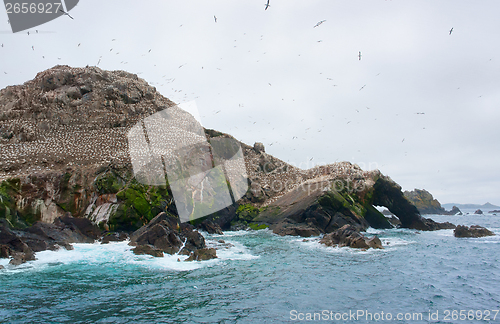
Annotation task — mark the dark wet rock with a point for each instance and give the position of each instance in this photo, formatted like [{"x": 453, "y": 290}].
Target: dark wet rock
[
  {"x": 114, "y": 237},
  {"x": 295, "y": 230},
  {"x": 223, "y": 217},
  {"x": 165, "y": 233},
  {"x": 348, "y": 235},
  {"x": 478, "y": 212},
  {"x": 210, "y": 227},
  {"x": 202, "y": 254},
  {"x": 147, "y": 249},
  {"x": 473, "y": 231},
  {"x": 21, "y": 245},
  {"x": 1, "y": 267},
  {"x": 454, "y": 211},
  {"x": 494, "y": 211},
  {"x": 434, "y": 226}
]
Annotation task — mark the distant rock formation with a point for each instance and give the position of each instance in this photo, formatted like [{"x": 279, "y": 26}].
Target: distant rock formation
[
  {"x": 426, "y": 204},
  {"x": 473, "y": 231},
  {"x": 478, "y": 212}
]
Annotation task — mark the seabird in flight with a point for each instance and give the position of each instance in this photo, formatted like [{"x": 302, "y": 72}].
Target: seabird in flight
[
  {"x": 215, "y": 18},
  {"x": 267, "y": 5},
  {"x": 319, "y": 23},
  {"x": 451, "y": 30},
  {"x": 359, "y": 55}
]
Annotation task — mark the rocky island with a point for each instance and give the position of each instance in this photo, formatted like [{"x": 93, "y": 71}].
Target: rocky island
[
  {"x": 67, "y": 177},
  {"x": 426, "y": 204}
]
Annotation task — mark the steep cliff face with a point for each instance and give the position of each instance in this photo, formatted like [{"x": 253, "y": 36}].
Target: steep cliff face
[{"x": 64, "y": 149}]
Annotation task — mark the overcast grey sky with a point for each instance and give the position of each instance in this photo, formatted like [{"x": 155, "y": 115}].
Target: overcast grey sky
[{"x": 270, "y": 76}]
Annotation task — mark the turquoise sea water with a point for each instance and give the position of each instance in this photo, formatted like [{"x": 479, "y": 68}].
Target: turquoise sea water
[{"x": 265, "y": 278}]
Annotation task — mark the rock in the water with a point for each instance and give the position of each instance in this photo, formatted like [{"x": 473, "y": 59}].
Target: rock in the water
[
  {"x": 478, "y": 212},
  {"x": 165, "y": 233},
  {"x": 202, "y": 254},
  {"x": 1, "y": 267},
  {"x": 113, "y": 237},
  {"x": 295, "y": 230},
  {"x": 211, "y": 227},
  {"x": 21, "y": 245},
  {"x": 473, "y": 231},
  {"x": 374, "y": 242},
  {"x": 348, "y": 235},
  {"x": 433, "y": 226},
  {"x": 147, "y": 249},
  {"x": 454, "y": 211}
]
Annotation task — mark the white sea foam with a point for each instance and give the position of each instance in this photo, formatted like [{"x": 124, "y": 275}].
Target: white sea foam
[
  {"x": 235, "y": 233},
  {"x": 231, "y": 250},
  {"x": 121, "y": 253}
]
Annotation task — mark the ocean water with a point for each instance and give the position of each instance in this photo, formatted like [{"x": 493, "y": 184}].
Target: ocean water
[{"x": 420, "y": 277}]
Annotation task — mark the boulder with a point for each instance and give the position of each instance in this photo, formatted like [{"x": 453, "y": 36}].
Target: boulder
[
  {"x": 202, "y": 254},
  {"x": 348, "y": 235},
  {"x": 147, "y": 249},
  {"x": 113, "y": 237},
  {"x": 292, "y": 229},
  {"x": 473, "y": 231},
  {"x": 165, "y": 233},
  {"x": 210, "y": 227},
  {"x": 478, "y": 212}
]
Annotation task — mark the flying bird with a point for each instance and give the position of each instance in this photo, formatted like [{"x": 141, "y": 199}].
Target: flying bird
[
  {"x": 267, "y": 5},
  {"x": 451, "y": 30},
  {"x": 362, "y": 87},
  {"x": 359, "y": 55},
  {"x": 319, "y": 23},
  {"x": 64, "y": 12},
  {"x": 215, "y": 18}
]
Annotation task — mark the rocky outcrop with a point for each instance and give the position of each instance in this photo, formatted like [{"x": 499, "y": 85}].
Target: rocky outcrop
[
  {"x": 473, "y": 231},
  {"x": 348, "y": 235},
  {"x": 478, "y": 212},
  {"x": 71, "y": 125},
  {"x": 166, "y": 234},
  {"x": 426, "y": 204},
  {"x": 454, "y": 211},
  {"x": 21, "y": 245}
]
